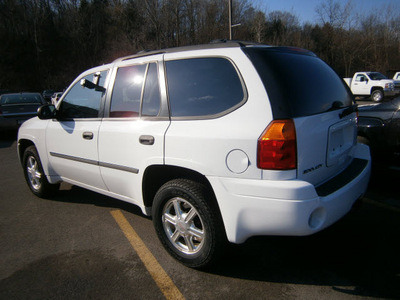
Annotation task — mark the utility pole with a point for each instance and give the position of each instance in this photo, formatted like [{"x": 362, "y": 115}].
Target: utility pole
[{"x": 230, "y": 21}]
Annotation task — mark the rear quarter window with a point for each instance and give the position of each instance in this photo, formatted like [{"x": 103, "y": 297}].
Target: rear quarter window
[
  {"x": 21, "y": 99},
  {"x": 203, "y": 87},
  {"x": 298, "y": 83}
]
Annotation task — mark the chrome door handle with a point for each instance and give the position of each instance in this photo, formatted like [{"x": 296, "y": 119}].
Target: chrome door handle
[
  {"x": 87, "y": 135},
  {"x": 146, "y": 139}
]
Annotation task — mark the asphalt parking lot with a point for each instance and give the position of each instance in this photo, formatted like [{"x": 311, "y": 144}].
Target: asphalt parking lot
[{"x": 82, "y": 245}]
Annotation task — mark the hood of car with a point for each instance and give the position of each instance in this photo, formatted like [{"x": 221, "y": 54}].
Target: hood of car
[{"x": 391, "y": 105}]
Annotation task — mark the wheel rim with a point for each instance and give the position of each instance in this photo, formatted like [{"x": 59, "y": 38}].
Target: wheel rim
[
  {"x": 377, "y": 96},
  {"x": 183, "y": 226},
  {"x": 34, "y": 175}
]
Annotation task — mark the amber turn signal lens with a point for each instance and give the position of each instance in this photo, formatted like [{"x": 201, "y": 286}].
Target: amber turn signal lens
[{"x": 276, "y": 149}]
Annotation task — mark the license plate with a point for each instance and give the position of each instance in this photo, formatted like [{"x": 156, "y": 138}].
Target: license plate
[{"x": 342, "y": 138}]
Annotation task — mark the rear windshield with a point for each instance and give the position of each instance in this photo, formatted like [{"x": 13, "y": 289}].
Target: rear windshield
[
  {"x": 21, "y": 99},
  {"x": 298, "y": 83}
]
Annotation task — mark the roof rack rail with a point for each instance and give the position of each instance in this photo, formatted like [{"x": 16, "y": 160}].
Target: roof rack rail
[
  {"x": 239, "y": 42},
  {"x": 213, "y": 44}
]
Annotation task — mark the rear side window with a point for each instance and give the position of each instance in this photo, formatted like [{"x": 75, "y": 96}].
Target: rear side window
[
  {"x": 136, "y": 89},
  {"x": 127, "y": 92},
  {"x": 298, "y": 83},
  {"x": 202, "y": 87}
]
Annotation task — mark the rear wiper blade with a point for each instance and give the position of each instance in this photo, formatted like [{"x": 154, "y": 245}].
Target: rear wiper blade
[
  {"x": 348, "y": 111},
  {"x": 336, "y": 105}
]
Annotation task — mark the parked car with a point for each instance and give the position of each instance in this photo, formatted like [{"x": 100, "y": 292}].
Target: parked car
[
  {"x": 47, "y": 95},
  {"x": 4, "y": 91},
  {"x": 372, "y": 84},
  {"x": 379, "y": 127},
  {"x": 17, "y": 108},
  {"x": 216, "y": 142},
  {"x": 56, "y": 97},
  {"x": 396, "y": 79}
]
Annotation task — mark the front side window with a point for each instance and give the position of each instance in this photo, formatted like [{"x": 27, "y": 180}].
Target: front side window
[
  {"x": 360, "y": 78},
  {"x": 201, "y": 87},
  {"x": 82, "y": 102}
]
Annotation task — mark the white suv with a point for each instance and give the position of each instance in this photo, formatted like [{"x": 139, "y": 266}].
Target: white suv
[{"x": 217, "y": 142}]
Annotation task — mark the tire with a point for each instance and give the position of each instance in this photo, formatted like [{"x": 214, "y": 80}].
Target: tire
[
  {"x": 34, "y": 174},
  {"x": 188, "y": 223},
  {"x": 377, "y": 95}
]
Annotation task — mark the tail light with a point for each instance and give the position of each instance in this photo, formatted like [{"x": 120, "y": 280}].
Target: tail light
[{"x": 276, "y": 149}]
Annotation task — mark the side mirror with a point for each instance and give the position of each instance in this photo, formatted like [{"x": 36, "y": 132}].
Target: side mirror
[{"x": 46, "y": 112}]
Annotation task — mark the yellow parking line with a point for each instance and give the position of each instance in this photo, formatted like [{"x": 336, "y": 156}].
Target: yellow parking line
[{"x": 163, "y": 281}]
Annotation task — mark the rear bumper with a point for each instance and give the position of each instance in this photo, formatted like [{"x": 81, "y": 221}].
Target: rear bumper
[
  {"x": 12, "y": 122},
  {"x": 291, "y": 207}
]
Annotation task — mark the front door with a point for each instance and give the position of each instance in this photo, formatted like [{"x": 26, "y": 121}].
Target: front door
[
  {"x": 360, "y": 85},
  {"x": 72, "y": 139}
]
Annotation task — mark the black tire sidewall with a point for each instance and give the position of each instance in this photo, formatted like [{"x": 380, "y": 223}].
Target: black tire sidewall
[
  {"x": 46, "y": 189},
  {"x": 377, "y": 91},
  {"x": 196, "y": 196}
]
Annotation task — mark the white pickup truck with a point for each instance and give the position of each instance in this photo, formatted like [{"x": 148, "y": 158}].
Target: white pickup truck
[
  {"x": 371, "y": 84},
  {"x": 396, "y": 79}
]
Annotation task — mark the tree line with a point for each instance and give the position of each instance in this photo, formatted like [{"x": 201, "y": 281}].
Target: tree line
[{"x": 45, "y": 44}]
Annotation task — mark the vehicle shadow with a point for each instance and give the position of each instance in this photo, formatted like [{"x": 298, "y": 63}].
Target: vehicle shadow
[
  {"x": 7, "y": 138},
  {"x": 359, "y": 255},
  {"x": 74, "y": 194}
]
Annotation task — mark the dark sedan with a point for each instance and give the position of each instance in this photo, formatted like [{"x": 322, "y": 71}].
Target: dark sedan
[
  {"x": 379, "y": 127},
  {"x": 17, "y": 108}
]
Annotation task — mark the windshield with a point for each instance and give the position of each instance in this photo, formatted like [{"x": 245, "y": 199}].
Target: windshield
[
  {"x": 298, "y": 83},
  {"x": 376, "y": 76}
]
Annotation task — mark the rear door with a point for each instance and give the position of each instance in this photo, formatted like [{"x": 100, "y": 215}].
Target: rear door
[{"x": 132, "y": 133}]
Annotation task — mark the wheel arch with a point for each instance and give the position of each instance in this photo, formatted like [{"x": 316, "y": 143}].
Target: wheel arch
[
  {"x": 374, "y": 88},
  {"x": 22, "y": 145},
  {"x": 157, "y": 175}
]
